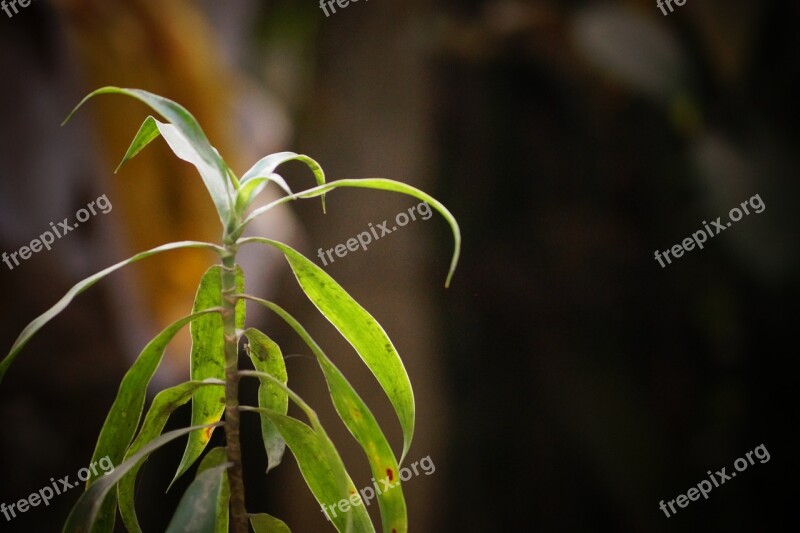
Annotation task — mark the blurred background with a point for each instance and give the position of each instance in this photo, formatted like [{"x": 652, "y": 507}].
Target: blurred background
[{"x": 566, "y": 381}]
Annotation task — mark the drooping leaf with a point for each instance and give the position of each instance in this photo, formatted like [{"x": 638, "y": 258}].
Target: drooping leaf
[
  {"x": 324, "y": 472},
  {"x": 35, "y": 325},
  {"x": 183, "y": 148},
  {"x": 362, "y": 424},
  {"x": 268, "y": 164},
  {"x": 126, "y": 411},
  {"x": 265, "y": 168},
  {"x": 83, "y": 515},
  {"x": 216, "y": 457},
  {"x": 197, "y": 511},
  {"x": 319, "y": 462},
  {"x": 208, "y": 360},
  {"x": 379, "y": 184},
  {"x": 160, "y": 410},
  {"x": 264, "y": 523},
  {"x": 218, "y": 179},
  {"x": 147, "y": 132},
  {"x": 267, "y": 358},
  {"x": 360, "y": 329}
]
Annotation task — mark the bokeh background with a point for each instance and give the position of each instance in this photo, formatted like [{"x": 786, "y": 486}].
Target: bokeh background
[{"x": 565, "y": 382}]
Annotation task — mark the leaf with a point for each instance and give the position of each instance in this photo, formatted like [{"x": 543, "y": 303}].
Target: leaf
[
  {"x": 248, "y": 191},
  {"x": 264, "y": 523},
  {"x": 265, "y": 168},
  {"x": 185, "y": 150},
  {"x": 361, "y": 423},
  {"x": 147, "y": 132},
  {"x": 319, "y": 462},
  {"x": 216, "y": 457},
  {"x": 126, "y": 411},
  {"x": 197, "y": 511},
  {"x": 267, "y": 358},
  {"x": 323, "y": 471},
  {"x": 360, "y": 329},
  {"x": 160, "y": 410},
  {"x": 208, "y": 360},
  {"x": 191, "y": 141},
  {"x": 378, "y": 184},
  {"x": 83, "y": 515},
  {"x": 35, "y": 325}
]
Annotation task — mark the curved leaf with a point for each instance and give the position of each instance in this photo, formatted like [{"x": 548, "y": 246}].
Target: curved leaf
[
  {"x": 83, "y": 515},
  {"x": 37, "y": 324},
  {"x": 217, "y": 180},
  {"x": 379, "y": 184},
  {"x": 197, "y": 511},
  {"x": 126, "y": 411},
  {"x": 162, "y": 407},
  {"x": 319, "y": 462},
  {"x": 323, "y": 471},
  {"x": 265, "y": 168},
  {"x": 184, "y": 149},
  {"x": 267, "y": 358},
  {"x": 360, "y": 329},
  {"x": 208, "y": 360},
  {"x": 264, "y": 523},
  {"x": 361, "y": 423}
]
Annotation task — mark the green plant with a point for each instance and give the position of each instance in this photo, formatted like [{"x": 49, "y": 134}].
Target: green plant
[{"x": 217, "y": 323}]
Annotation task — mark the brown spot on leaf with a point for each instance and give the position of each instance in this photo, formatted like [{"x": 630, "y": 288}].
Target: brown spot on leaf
[{"x": 390, "y": 474}]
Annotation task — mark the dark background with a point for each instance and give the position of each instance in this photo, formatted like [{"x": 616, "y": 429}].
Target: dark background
[{"x": 566, "y": 381}]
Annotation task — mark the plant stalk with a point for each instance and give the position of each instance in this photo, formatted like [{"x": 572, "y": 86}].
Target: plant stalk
[{"x": 233, "y": 445}]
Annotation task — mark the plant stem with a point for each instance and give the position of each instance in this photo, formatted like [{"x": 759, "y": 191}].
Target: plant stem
[{"x": 233, "y": 444}]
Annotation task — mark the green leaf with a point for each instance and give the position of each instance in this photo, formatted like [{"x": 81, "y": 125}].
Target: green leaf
[
  {"x": 323, "y": 471},
  {"x": 264, "y": 523},
  {"x": 147, "y": 132},
  {"x": 216, "y": 457},
  {"x": 265, "y": 168},
  {"x": 361, "y": 423},
  {"x": 160, "y": 410},
  {"x": 188, "y": 141},
  {"x": 248, "y": 191},
  {"x": 197, "y": 511},
  {"x": 360, "y": 329},
  {"x": 31, "y": 329},
  {"x": 379, "y": 184},
  {"x": 83, "y": 515},
  {"x": 208, "y": 360},
  {"x": 126, "y": 411},
  {"x": 267, "y": 358},
  {"x": 183, "y": 148},
  {"x": 319, "y": 462}
]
